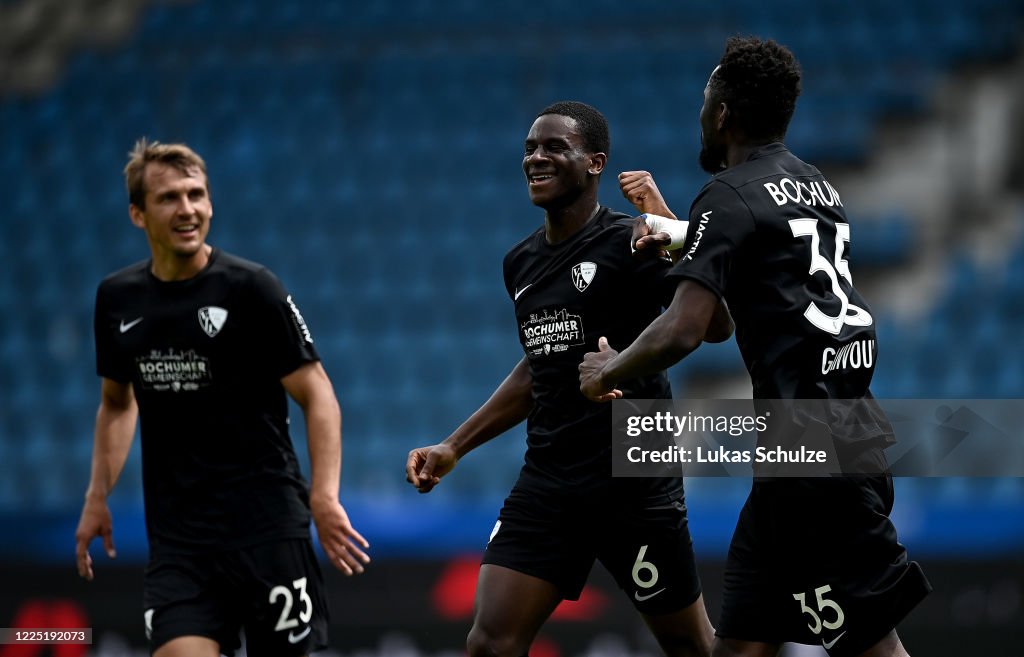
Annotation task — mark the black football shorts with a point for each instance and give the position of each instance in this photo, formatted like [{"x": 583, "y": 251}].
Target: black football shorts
[
  {"x": 816, "y": 561},
  {"x": 644, "y": 543},
  {"x": 274, "y": 591}
]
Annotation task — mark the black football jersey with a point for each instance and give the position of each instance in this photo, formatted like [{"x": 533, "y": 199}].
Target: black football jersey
[
  {"x": 772, "y": 237},
  {"x": 566, "y": 296},
  {"x": 205, "y": 357}
]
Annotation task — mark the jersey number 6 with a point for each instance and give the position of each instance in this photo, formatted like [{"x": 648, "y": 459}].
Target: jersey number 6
[
  {"x": 640, "y": 566},
  {"x": 849, "y": 314}
]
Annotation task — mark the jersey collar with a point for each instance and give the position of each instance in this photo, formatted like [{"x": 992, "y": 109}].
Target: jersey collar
[{"x": 767, "y": 149}]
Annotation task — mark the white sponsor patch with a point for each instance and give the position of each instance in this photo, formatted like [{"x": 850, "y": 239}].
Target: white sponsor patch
[
  {"x": 173, "y": 370},
  {"x": 551, "y": 332}
]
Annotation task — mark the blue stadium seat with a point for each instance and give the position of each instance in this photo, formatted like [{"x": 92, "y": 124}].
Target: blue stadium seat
[{"x": 371, "y": 156}]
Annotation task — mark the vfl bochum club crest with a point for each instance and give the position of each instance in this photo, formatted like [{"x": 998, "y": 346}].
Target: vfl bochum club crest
[
  {"x": 582, "y": 274},
  {"x": 211, "y": 319}
]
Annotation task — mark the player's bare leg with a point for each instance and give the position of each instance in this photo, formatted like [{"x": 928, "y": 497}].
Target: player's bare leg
[
  {"x": 189, "y": 646},
  {"x": 684, "y": 633},
  {"x": 889, "y": 646},
  {"x": 510, "y": 609},
  {"x": 734, "y": 648}
]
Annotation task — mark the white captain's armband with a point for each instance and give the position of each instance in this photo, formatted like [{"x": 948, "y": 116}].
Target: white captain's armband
[{"x": 676, "y": 229}]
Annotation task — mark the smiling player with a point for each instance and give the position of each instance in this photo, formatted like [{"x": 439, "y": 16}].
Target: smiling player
[{"x": 570, "y": 281}]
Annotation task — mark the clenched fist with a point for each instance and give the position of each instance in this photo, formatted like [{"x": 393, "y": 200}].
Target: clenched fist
[{"x": 640, "y": 189}]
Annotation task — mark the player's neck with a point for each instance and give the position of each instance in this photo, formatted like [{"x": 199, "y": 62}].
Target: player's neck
[
  {"x": 562, "y": 223},
  {"x": 172, "y": 267},
  {"x": 739, "y": 153}
]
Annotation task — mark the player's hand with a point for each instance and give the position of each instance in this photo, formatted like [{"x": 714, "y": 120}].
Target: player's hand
[
  {"x": 341, "y": 542},
  {"x": 426, "y": 465},
  {"x": 96, "y": 521},
  {"x": 591, "y": 384},
  {"x": 639, "y": 189},
  {"x": 645, "y": 242}
]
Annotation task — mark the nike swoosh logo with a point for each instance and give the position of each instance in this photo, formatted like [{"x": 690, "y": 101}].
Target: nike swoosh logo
[
  {"x": 127, "y": 327},
  {"x": 641, "y": 598},
  {"x": 827, "y": 645},
  {"x": 519, "y": 293},
  {"x": 295, "y": 639}
]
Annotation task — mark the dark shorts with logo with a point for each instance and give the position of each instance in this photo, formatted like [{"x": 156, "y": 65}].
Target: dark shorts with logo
[
  {"x": 816, "y": 561},
  {"x": 644, "y": 543},
  {"x": 274, "y": 591}
]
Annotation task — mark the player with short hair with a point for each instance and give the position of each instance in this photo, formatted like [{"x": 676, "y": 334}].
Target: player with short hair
[
  {"x": 202, "y": 347},
  {"x": 570, "y": 281},
  {"x": 812, "y": 560}
]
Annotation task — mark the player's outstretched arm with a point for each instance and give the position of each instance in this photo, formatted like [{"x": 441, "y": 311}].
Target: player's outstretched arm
[
  {"x": 311, "y": 389},
  {"x": 509, "y": 405},
  {"x": 666, "y": 341},
  {"x": 639, "y": 189},
  {"x": 112, "y": 440}
]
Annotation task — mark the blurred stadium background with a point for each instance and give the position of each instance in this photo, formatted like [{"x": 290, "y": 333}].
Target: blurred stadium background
[{"x": 369, "y": 153}]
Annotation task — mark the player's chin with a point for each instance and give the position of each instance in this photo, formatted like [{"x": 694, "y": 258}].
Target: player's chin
[
  {"x": 542, "y": 196},
  {"x": 188, "y": 248}
]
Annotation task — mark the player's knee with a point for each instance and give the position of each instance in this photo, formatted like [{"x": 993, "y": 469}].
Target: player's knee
[
  {"x": 481, "y": 643},
  {"x": 685, "y": 633},
  {"x": 721, "y": 649},
  {"x": 731, "y": 648},
  {"x": 687, "y": 647}
]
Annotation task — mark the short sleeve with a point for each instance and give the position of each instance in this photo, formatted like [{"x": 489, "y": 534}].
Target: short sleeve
[
  {"x": 281, "y": 328},
  {"x": 110, "y": 362},
  {"x": 719, "y": 223}
]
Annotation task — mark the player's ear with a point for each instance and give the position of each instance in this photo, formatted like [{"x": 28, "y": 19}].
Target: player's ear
[
  {"x": 723, "y": 116},
  {"x": 597, "y": 163},
  {"x": 136, "y": 215}
]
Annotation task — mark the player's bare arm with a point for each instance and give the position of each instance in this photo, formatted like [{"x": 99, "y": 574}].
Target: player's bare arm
[
  {"x": 721, "y": 326},
  {"x": 311, "y": 389},
  {"x": 644, "y": 240},
  {"x": 640, "y": 189},
  {"x": 509, "y": 405},
  {"x": 667, "y": 340},
  {"x": 115, "y": 430}
]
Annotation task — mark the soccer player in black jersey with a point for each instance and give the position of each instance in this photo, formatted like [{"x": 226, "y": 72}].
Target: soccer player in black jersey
[
  {"x": 202, "y": 347},
  {"x": 570, "y": 281},
  {"x": 813, "y": 560}
]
